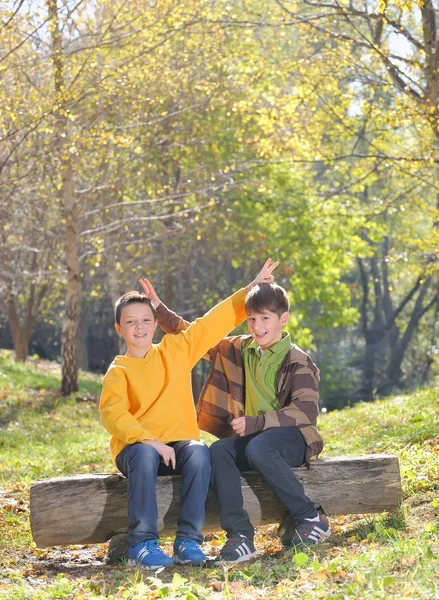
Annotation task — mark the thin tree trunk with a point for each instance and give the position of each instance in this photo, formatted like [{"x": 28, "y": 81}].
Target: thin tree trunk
[
  {"x": 70, "y": 329},
  {"x": 21, "y": 330},
  {"x": 69, "y": 336},
  {"x": 394, "y": 371},
  {"x": 20, "y": 348},
  {"x": 373, "y": 333}
]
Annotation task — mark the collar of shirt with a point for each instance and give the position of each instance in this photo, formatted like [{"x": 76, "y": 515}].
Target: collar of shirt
[{"x": 277, "y": 348}]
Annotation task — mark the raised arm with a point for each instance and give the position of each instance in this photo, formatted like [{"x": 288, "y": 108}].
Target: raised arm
[
  {"x": 170, "y": 322},
  {"x": 204, "y": 333}
]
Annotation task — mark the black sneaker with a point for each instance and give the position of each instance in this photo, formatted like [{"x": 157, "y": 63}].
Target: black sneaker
[
  {"x": 311, "y": 532},
  {"x": 236, "y": 550}
]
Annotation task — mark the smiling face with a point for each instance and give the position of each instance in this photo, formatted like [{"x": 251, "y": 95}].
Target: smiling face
[
  {"x": 137, "y": 326},
  {"x": 266, "y": 327}
]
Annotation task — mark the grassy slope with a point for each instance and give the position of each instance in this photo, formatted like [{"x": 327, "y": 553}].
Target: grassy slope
[{"x": 389, "y": 556}]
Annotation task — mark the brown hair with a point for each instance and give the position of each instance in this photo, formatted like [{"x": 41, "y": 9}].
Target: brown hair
[
  {"x": 267, "y": 296},
  {"x": 131, "y": 298}
]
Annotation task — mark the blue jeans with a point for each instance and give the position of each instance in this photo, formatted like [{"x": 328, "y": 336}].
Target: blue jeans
[
  {"x": 141, "y": 463},
  {"x": 271, "y": 453}
]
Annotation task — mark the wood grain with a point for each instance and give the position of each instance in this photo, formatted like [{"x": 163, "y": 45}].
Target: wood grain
[{"x": 87, "y": 509}]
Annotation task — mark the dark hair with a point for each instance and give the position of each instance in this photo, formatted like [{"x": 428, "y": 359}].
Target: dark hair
[
  {"x": 131, "y": 298},
  {"x": 267, "y": 296}
]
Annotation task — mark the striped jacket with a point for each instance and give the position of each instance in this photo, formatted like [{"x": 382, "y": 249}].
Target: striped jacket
[{"x": 223, "y": 395}]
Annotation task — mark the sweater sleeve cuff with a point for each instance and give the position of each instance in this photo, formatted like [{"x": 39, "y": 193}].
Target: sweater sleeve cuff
[
  {"x": 254, "y": 424},
  {"x": 238, "y": 300}
]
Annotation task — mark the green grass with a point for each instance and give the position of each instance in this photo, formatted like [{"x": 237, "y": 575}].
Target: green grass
[
  {"x": 43, "y": 435},
  {"x": 407, "y": 426},
  {"x": 371, "y": 557}
]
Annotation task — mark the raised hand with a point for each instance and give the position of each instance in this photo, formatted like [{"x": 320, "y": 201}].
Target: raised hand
[
  {"x": 150, "y": 292},
  {"x": 264, "y": 275}
]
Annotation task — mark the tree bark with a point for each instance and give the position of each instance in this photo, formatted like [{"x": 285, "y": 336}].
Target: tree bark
[
  {"x": 70, "y": 327},
  {"x": 342, "y": 485},
  {"x": 69, "y": 335},
  {"x": 22, "y": 328},
  {"x": 373, "y": 332}
]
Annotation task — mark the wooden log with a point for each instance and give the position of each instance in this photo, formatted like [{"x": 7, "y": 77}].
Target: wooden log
[{"x": 87, "y": 509}]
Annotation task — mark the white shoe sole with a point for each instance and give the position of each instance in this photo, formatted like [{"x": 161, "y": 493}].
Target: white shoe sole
[
  {"x": 196, "y": 563},
  {"x": 132, "y": 562},
  {"x": 241, "y": 559},
  {"x": 323, "y": 537}
]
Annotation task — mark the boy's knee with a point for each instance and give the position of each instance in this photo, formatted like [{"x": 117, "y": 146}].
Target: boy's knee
[
  {"x": 219, "y": 448},
  {"x": 199, "y": 454},
  {"x": 144, "y": 456},
  {"x": 256, "y": 450}
]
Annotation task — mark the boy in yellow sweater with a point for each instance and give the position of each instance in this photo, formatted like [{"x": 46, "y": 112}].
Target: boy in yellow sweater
[{"x": 148, "y": 408}]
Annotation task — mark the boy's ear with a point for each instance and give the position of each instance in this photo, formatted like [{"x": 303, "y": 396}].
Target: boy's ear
[
  {"x": 284, "y": 318},
  {"x": 118, "y": 328}
]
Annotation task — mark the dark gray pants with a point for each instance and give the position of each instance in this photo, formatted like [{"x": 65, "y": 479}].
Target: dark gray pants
[
  {"x": 141, "y": 464},
  {"x": 271, "y": 453}
]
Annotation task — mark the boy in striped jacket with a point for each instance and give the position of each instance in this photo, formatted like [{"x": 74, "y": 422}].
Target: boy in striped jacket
[{"x": 261, "y": 399}]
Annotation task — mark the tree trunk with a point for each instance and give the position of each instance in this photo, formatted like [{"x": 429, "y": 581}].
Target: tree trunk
[
  {"x": 83, "y": 358},
  {"x": 373, "y": 333},
  {"x": 21, "y": 332},
  {"x": 20, "y": 347},
  {"x": 394, "y": 372},
  {"x": 69, "y": 336}
]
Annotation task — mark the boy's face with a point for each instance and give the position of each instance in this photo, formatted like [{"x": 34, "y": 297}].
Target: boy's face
[
  {"x": 266, "y": 327},
  {"x": 137, "y": 325}
]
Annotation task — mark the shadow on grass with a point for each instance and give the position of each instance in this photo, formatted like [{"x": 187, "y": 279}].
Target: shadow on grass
[
  {"x": 381, "y": 528},
  {"x": 8, "y": 414}
]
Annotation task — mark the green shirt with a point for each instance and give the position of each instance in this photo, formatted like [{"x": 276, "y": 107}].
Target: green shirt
[{"x": 261, "y": 375}]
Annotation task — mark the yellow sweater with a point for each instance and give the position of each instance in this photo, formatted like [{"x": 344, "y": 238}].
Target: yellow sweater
[{"x": 151, "y": 397}]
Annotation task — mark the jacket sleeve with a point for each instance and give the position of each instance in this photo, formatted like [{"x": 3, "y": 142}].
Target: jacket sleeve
[
  {"x": 206, "y": 332},
  {"x": 169, "y": 321},
  {"x": 301, "y": 407},
  {"x": 114, "y": 409}
]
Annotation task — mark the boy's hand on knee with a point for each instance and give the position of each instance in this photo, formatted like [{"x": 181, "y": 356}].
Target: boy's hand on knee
[
  {"x": 247, "y": 425},
  {"x": 166, "y": 452},
  {"x": 238, "y": 425}
]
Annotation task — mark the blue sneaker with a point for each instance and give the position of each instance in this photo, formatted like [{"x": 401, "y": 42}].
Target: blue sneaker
[
  {"x": 148, "y": 555},
  {"x": 188, "y": 552}
]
